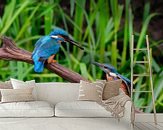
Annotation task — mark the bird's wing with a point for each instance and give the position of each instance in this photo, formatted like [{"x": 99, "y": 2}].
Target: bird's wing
[
  {"x": 48, "y": 48},
  {"x": 38, "y": 44},
  {"x": 126, "y": 81},
  {"x": 124, "y": 78}
]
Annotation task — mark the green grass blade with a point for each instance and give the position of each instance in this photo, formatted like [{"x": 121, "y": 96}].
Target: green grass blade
[
  {"x": 26, "y": 24},
  {"x": 144, "y": 29},
  {"x": 126, "y": 33},
  {"x": 9, "y": 9},
  {"x": 16, "y": 14},
  {"x": 48, "y": 20},
  {"x": 114, "y": 54},
  {"x": 146, "y": 11},
  {"x": 84, "y": 71},
  {"x": 72, "y": 4},
  {"x": 79, "y": 18}
]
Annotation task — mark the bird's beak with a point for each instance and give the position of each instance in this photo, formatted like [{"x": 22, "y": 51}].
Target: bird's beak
[
  {"x": 97, "y": 64},
  {"x": 74, "y": 43},
  {"x": 101, "y": 66}
]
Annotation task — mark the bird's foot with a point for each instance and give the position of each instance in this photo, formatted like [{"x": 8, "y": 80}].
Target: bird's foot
[
  {"x": 54, "y": 61},
  {"x": 51, "y": 61}
]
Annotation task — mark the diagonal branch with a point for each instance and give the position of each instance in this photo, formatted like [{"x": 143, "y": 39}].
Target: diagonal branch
[{"x": 9, "y": 51}]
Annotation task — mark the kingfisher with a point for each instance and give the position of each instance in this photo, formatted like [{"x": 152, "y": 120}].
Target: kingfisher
[
  {"x": 48, "y": 46},
  {"x": 112, "y": 74}
]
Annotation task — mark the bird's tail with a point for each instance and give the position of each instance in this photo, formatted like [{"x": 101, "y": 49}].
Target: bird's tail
[{"x": 38, "y": 65}]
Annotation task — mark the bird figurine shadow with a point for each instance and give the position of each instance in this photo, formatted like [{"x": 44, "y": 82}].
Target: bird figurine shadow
[
  {"x": 48, "y": 46},
  {"x": 112, "y": 72}
]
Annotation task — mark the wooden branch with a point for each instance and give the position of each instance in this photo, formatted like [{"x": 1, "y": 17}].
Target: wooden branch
[{"x": 9, "y": 51}]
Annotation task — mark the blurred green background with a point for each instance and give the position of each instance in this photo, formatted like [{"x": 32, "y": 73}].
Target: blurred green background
[{"x": 103, "y": 27}]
